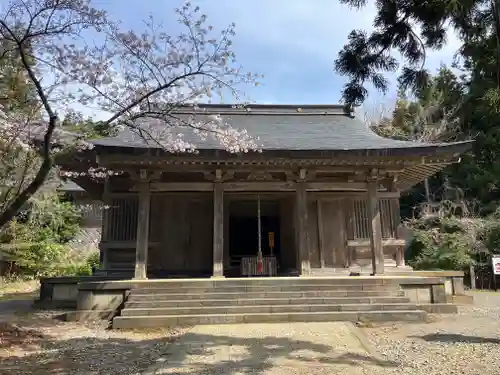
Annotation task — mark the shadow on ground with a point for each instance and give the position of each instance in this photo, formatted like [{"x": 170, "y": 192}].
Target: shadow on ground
[
  {"x": 259, "y": 355},
  {"x": 85, "y": 355},
  {"x": 18, "y": 296},
  {"x": 457, "y": 338}
]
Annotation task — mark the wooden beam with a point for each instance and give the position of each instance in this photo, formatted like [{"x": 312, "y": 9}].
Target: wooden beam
[
  {"x": 375, "y": 229},
  {"x": 256, "y": 186},
  {"x": 388, "y": 242},
  {"x": 335, "y": 195},
  {"x": 120, "y": 245}
]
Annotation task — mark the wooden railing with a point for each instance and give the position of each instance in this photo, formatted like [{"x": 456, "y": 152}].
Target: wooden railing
[{"x": 249, "y": 266}]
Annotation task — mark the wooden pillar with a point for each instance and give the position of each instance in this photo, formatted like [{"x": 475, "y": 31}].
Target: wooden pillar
[
  {"x": 375, "y": 228},
  {"x": 105, "y": 217},
  {"x": 218, "y": 237},
  {"x": 400, "y": 257},
  {"x": 141, "y": 250},
  {"x": 321, "y": 241},
  {"x": 302, "y": 233}
]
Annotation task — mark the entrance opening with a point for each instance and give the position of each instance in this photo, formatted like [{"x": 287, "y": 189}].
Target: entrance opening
[{"x": 243, "y": 231}]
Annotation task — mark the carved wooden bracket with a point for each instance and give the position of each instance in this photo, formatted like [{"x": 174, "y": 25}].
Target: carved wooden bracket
[
  {"x": 372, "y": 175},
  {"x": 218, "y": 175},
  {"x": 260, "y": 176},
  {"x": 355, "y": 176}
]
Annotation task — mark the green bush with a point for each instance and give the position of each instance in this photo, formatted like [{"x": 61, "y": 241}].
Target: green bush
[
  {"x": 82, "y": 268},
  {"x": 492, "y": 238},
  {"x": 39, "y": 260},
  {"x": 442, "y": 251},
  {"x": 444, "y": 243},
  {"x": 36, "y": 241}
]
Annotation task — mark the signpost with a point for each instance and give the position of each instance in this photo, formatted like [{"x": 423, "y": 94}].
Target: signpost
[{"x": 495, "y": 263}]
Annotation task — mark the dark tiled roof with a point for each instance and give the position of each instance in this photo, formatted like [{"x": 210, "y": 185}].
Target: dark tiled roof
[
  {"x": 278, "y": 127},
  {"x": 69, "y": 185}
]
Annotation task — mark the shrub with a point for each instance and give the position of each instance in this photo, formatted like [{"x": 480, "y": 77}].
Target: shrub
[
  {"x": 447, "y": 243},
  {"x": 82, "y": 268},
  {"x": 492, "y": 238},
  {"x": 439, "y": 251},
  {"x": 36, "y": 240}
]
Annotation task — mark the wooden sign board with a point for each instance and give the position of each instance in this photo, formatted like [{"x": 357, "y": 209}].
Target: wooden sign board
[{"x": 271, "y": 239}]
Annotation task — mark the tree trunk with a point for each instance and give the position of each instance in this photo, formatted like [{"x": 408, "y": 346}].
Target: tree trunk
[
  {"x": 41, "y": 176},
  {"x": 472, "y": 273}
]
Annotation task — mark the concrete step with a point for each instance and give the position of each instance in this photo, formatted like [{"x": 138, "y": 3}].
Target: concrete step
[
  {"x": 264, "y": 302},
  {"x": 216, "y": 310},
  {"x": 263, "y": 288},
  {"x": 145, "y": 321},
  {"x": 136, "y": 297}
]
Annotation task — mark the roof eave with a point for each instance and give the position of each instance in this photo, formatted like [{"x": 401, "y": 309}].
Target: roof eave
[{"x": 456, "y": 148}]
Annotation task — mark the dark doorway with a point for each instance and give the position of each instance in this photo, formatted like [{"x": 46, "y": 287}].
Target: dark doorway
[{"x": 243, "y": 230}]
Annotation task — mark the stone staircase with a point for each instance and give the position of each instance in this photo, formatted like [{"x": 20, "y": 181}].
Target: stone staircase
[{"x": 264, "y": 300}]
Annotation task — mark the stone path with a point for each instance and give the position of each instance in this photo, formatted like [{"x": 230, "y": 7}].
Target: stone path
[{"x": 270, "y": 349}]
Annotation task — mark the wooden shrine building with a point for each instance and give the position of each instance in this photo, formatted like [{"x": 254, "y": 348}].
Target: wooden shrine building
[{"x": 322, "y": 196}]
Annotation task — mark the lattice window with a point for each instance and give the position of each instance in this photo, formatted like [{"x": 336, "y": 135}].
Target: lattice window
[
  {"x": 388, "y": 216},
  {"x": 122, "y": 219}
]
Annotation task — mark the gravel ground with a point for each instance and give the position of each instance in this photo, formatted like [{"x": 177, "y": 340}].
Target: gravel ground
[
  {"x": 63, "y": 348},
  {"x": 466, "y": 343}
]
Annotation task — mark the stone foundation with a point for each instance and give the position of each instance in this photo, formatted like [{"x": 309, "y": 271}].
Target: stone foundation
[{"x": 101, "y": 297}]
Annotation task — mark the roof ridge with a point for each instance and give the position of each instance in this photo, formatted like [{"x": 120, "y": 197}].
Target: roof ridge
[{"x": 264, "y": 109}]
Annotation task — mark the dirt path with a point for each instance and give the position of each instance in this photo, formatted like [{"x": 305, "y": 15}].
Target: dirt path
[{"x": 269, "y": 349}]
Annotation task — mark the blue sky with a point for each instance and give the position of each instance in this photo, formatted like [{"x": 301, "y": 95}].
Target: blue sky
[{"x": 293, "y": 42}]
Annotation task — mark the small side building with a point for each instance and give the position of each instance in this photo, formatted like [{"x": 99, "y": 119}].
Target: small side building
[{"x": 322, "y": 198}]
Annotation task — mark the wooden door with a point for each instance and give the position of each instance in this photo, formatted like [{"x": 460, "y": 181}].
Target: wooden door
[{"x": 332, "y": 233}]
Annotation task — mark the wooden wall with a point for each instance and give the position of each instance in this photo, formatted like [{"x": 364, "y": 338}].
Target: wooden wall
[
  {"x": 332, "y": 222},
  {"x": 181, "y": 231}
]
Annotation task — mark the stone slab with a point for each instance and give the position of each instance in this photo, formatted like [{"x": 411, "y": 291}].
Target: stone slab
[
  {"x": 135, "y": 296},
  {"x": 438, "y": 308},
  {"x": 260, "y": 309},
  {"x": 137, "y": 322},
  {"x": 264, "y": 301}
]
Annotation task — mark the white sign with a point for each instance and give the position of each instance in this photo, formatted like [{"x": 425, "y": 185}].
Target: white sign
[{"x": 495, "y": 261}]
